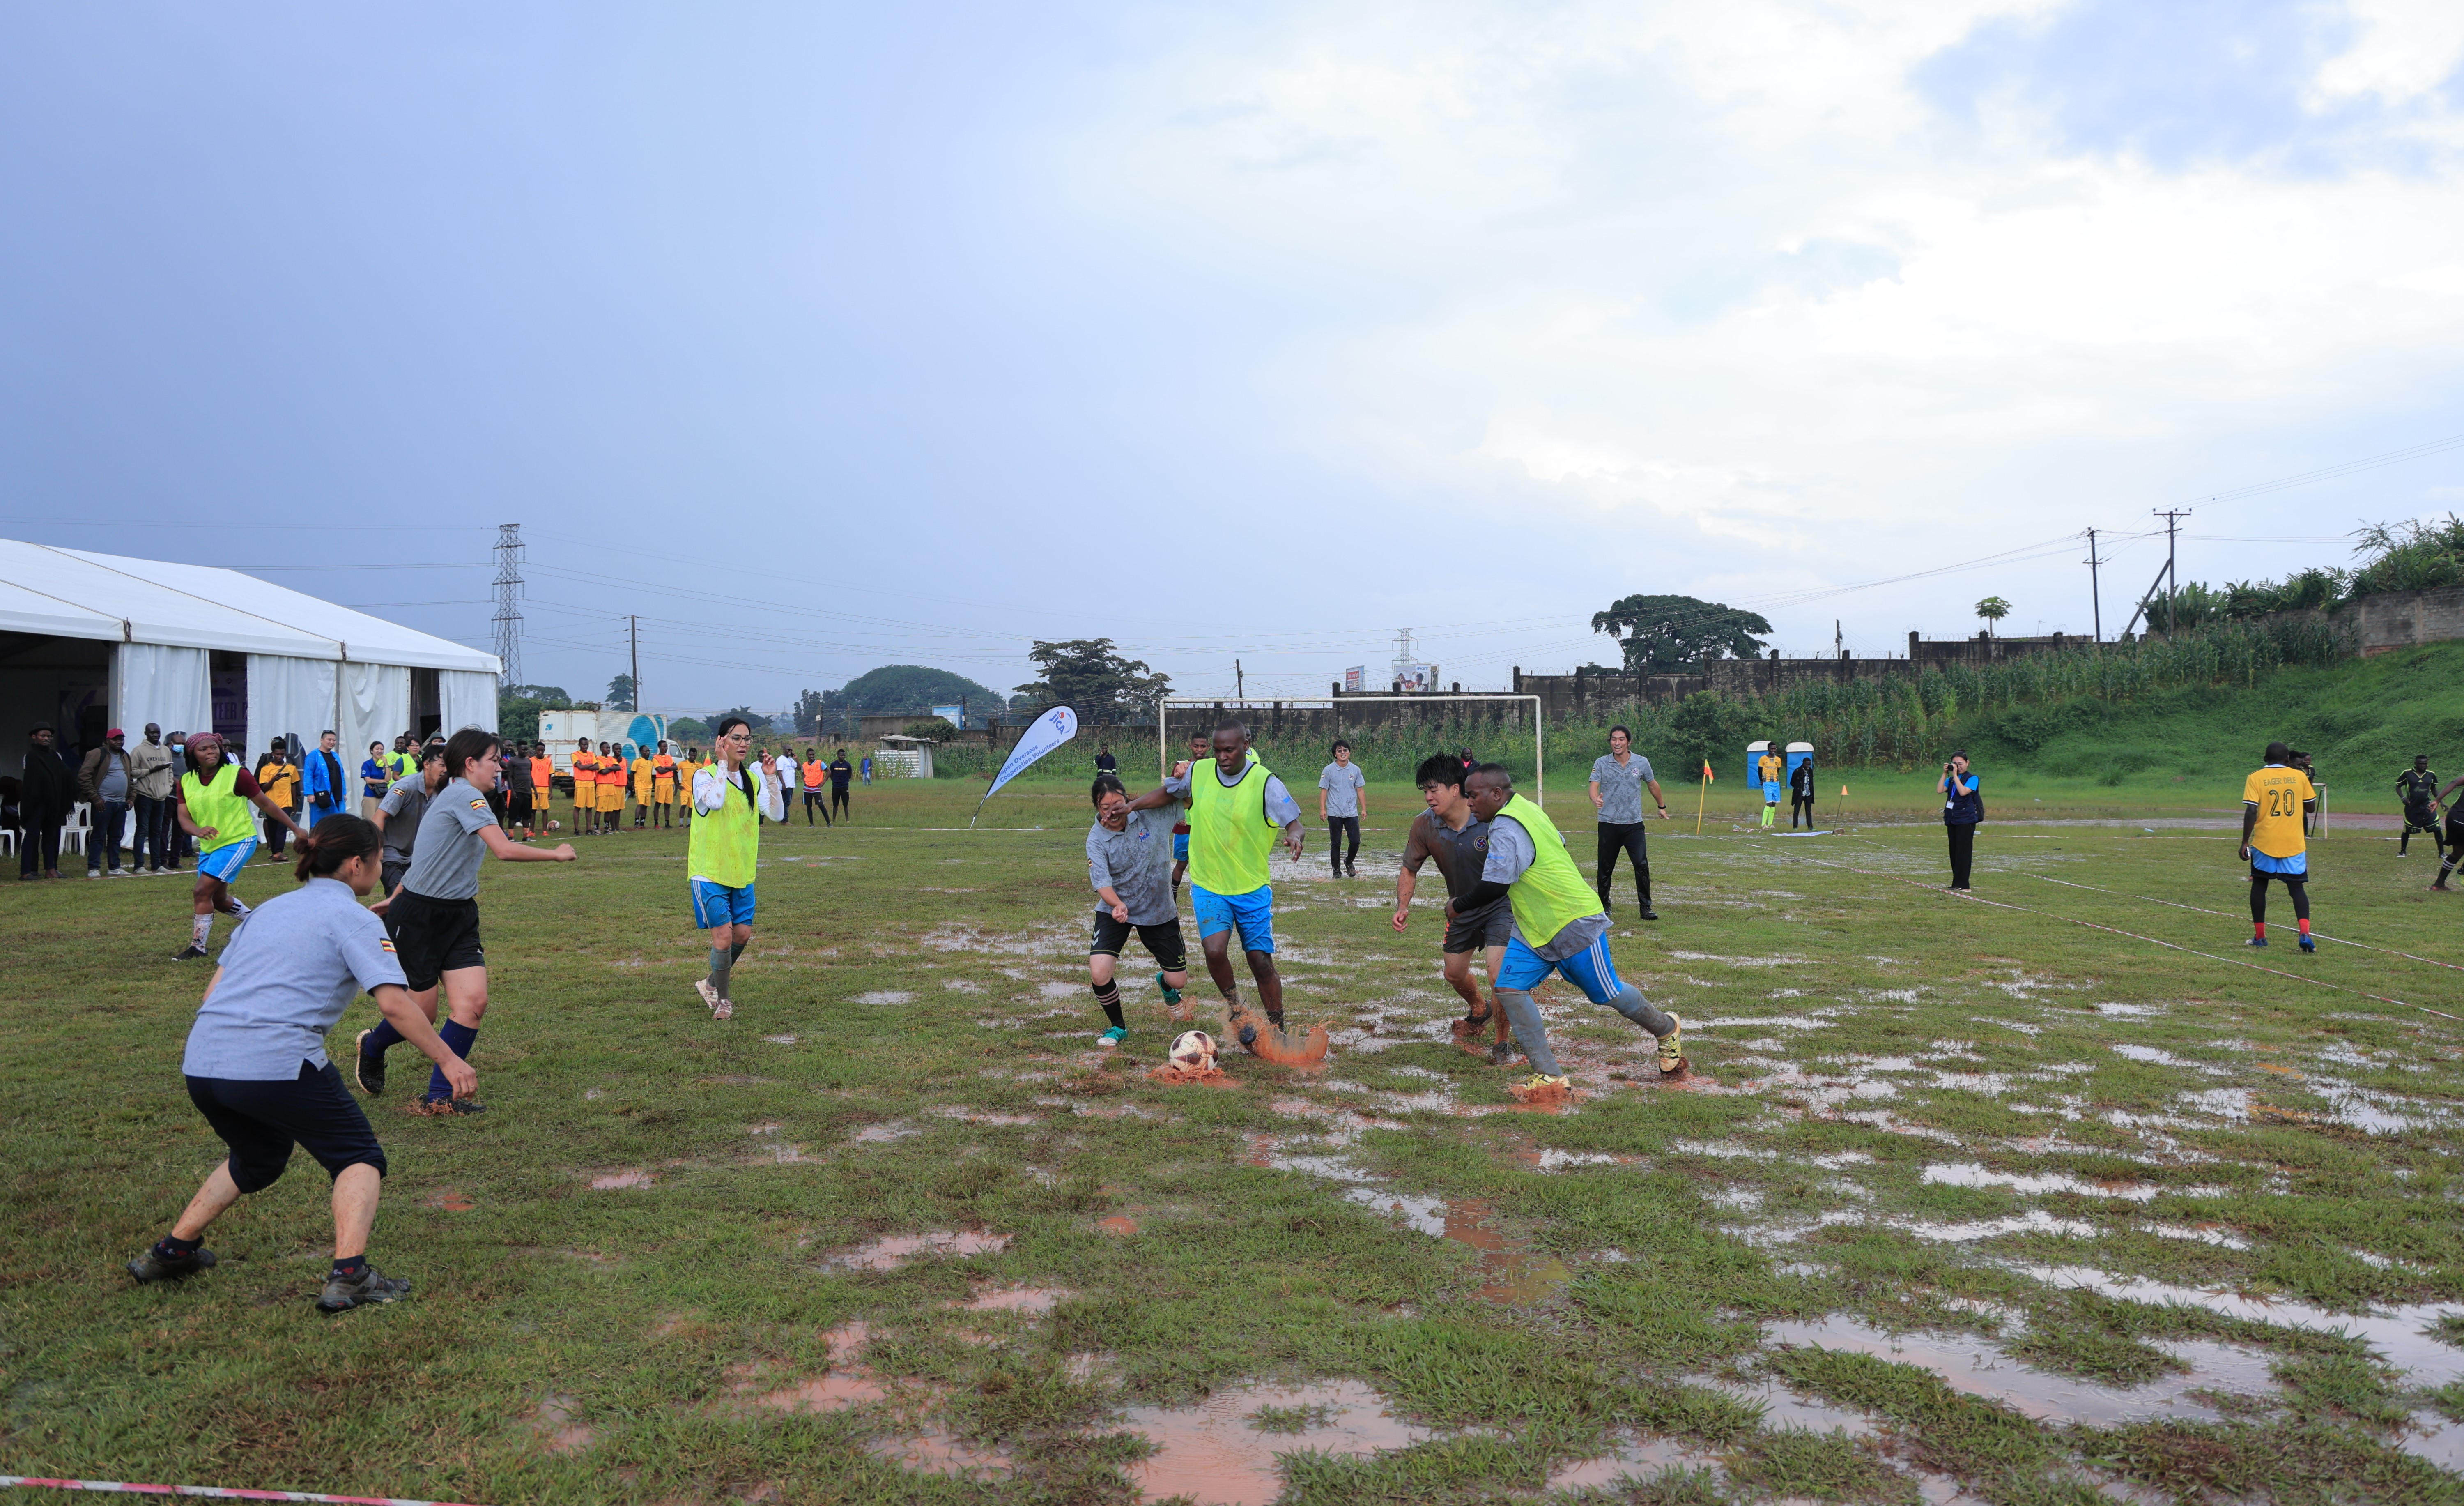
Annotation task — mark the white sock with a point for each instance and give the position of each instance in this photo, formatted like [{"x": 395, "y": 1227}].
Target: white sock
[
  {"x": 239, "y": 911},
  {"x": 201, "y": 929}
]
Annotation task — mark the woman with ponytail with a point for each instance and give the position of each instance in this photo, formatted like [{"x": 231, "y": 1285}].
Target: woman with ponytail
[{"x": 256, "y": 1065}]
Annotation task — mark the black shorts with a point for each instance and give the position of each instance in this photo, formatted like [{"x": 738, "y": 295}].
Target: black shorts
[
  {"x": 1164, "y": 941},
  {"x": 433, "y": 937},
  {"x": 520, "y": 803},
  {"x": 260, "y": 1121},
  {"x": 1492, "y": 925}
]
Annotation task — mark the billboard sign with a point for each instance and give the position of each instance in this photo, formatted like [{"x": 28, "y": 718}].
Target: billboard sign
[
  {"x": 1354, "y": 677},
  {"x": 954, "y": 716}
]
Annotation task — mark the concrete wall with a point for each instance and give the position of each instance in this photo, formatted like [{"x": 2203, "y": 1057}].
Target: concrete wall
[
  {"x": 1565, "y": 695},
  {"x": 2401, "y": 619}
]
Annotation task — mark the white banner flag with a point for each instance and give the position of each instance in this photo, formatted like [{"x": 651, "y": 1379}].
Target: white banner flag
[{"x": 1051, "y": 730}]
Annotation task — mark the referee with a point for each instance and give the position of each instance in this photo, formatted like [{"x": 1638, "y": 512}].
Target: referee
[{"x": 256, "y": 1064}]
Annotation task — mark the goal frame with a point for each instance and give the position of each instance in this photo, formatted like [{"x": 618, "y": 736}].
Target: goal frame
[{"x": 1539, "y": 727}]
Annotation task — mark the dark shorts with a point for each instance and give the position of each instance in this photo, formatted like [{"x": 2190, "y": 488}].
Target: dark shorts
[
  {"x": 260, "y": 1121},
  {"x": 1171, "y": 953},
  {"x": 1491, "y": 925},
  {"x": 433, "y": 937}
]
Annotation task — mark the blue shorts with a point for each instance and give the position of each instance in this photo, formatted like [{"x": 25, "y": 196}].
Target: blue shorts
[
  {"x": 1181, "y": 847},
  {"x": 1589, "y": 969},
  {"x": 1771, "y": 791},
  {"x": 226, "y": 862},
  {"x": 2296, "y": 866},
  {"x": 1252, "y": 915},
  {"x": 714, "y": 905}
]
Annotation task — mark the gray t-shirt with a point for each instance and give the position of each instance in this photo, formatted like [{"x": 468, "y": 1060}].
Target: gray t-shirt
[
  {"x": 445, "y": 863},
  {"x": 1135, "y": 863},
  {"x": 1620, "y": 787},
  {"x": 286, "y": 978},
  {"x": 405, "y": 805},
  {"x": 1510, "y": 856},
  {"x": 1343, "y": 783},
  {"x": 113, "y": 786}
]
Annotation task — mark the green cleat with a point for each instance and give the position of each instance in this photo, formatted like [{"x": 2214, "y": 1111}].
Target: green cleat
[
  {"x": 1171, "y": 994},
  {"x": 1112, "y": 1038}
]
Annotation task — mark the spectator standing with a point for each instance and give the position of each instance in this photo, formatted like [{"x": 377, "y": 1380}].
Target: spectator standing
[
  {"x": 149, "y": 768},
  {"x": 1800, "y": 793},
  {"x": 1342, "y": 799},
  {"x": 46, "y": 793},
  {"x": 103, "y": 780},
  {"x": 279, "y": 778},
  {"x": 180, "y": 846},
  {"x": 791, "y": 773},
  {"x": 1618, "y": 779},
  {"x": 867, "y": 768},
  {"x": 517, "y": 788},
  {"x": 841, "y": 771},
  {"x": 376, "y": 777},
  {"x": 1963, "y": 810},
  {"x": 328, "y": 792},
  {"x": 1106, "y": 763},
  {"x": 817, "y": 786}
]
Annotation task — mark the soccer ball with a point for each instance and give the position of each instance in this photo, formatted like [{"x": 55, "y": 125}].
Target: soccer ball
[
  {"x": 1193, "y": 1050},
  {"x": 556, "y": 826}
]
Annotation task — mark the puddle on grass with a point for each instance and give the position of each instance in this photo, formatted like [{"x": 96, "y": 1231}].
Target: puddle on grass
[
  {"x": 1979, "y": 1367},
  {"x": 1510, "y": 1270},
  {"x": 2034, "y": 1220},
  {"x": 2434, "y": 1440},
  {"x": 882, "y": 1134},
  {"x": 1217, "y": 1455},
  {"x": 559, "y": 1432},
  {"x": 1971, "y": 1174},
  {"x": 2397, "y": 1334},
  {"x": 935, "y": 1451},
  {"x": 883, "y": 996},
  {"x": 1782, "y": 1408},
  {"x": 971, "y": 1116},
  {"x": 893, "y": 1251},
  {"x": 1015, "y": 1299},
  {"x": 617, "y": 1180},
  {"x": 1627, "y": 1458}
]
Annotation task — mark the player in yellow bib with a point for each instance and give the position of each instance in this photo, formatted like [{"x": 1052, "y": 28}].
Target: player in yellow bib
[
  {"x": 2274, "y": 801},
  {"x": 1560, "y": 926},
  {"x": 732, "y": 796},
  {"x": 1238, "y": 811}
]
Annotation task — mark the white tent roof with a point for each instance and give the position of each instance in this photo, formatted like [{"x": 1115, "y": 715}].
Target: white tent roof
[{"x": 75, "y": 593}]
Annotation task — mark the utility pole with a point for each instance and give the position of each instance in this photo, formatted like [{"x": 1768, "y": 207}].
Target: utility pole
[
  {"x": 507, "y": 621},
  {"x": 1240, "y": 682},
  {"x": 634, "y": 630},
  {"x": 2094, "y": 594},
  {"x": 1839, "y": 641},
  {"x": 2172, "y": 516}
]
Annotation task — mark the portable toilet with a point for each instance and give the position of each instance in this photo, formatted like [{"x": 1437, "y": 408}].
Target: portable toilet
[
  {"x": 1754, "y": 752},
  {"x": 1798, "y": 753}
]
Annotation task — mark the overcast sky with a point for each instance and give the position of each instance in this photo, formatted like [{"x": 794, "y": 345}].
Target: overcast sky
[{"x": 823, "y": 335}]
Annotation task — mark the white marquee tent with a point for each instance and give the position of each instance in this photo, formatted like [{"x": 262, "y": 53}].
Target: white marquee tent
[{"x": 94, "y": 638}]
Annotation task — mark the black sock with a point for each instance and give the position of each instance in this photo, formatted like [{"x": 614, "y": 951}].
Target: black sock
[
  {"x": 349, "y": 1265},
  {"x": 736, "y": 951},
  {"x": 171, "y": 1247},
  {"x": 1109, "y": 995}
]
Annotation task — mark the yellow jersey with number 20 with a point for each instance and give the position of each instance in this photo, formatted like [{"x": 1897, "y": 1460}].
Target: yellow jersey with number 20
[{"x": 2278, "y": 793}]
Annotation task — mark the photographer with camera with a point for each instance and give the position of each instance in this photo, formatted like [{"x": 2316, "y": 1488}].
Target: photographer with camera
[{"x": 1962, "y": 809}]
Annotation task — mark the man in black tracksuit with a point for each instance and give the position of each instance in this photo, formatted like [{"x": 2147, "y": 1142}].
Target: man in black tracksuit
[
  {"x": 2417, "y": 788},
  {"x": 1800, "y": 793}
]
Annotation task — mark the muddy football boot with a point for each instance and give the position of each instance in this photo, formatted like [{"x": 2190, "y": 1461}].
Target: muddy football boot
[
  {"x": 370, "y": 1286},
  {"x": 155, "y": 1266}
]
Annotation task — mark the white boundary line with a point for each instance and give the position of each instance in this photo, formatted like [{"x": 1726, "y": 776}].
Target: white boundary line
[
  {"x": 1539, "y": 731},
  {"x": 219, "y": 1491}
]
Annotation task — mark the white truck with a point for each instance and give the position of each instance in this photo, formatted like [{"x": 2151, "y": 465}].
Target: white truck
[{"x": 634, "y": 731}]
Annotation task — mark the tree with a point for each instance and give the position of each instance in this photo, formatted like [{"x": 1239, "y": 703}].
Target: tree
[
  {"x": 620, "y": 694},
  {"x": 901, "y": 689},
  {"x": 1087, "y": 675},
  {"x": 1992, "y": 609},
  {"x": 931, "y": 728},
  {"x": 688, "y": 730},
  {"x": 754, "y": 722},
  {"x": 1664, "y": 634},
  {"x": 808, "y": 710}
]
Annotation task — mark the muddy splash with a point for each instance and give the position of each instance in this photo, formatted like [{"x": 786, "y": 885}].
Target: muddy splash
[{"x": 1222, "y": 1452}]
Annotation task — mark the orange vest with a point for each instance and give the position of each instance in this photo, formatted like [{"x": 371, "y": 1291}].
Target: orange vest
[
  {"x": 611, "y": 770},
  {"x": 542, "y": 774},
  {"x": 663, "y": 768},
  {"x": 586, "y": 770},
  {"x": 817, "y": 773}
]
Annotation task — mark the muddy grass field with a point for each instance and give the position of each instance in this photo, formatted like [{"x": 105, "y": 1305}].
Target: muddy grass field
[{"x": 2057, "y": 1193}]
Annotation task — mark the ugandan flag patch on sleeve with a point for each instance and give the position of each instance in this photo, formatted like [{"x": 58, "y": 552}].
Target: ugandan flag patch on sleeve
[
  {"x": 387, "y": 943},
  {"x": 478, "y": 804}
]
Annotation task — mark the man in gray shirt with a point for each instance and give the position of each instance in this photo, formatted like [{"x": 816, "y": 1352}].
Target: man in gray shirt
[
  {"x": 1342, "y": 800},
  {"x": 1129, "y": 864},
  {"x": 1618, "y": 779},
  {"x": 400, "y": 812}
]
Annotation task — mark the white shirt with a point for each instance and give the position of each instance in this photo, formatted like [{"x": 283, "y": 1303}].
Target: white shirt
[
  {"x": 790, "y": 772},
  {"x": 711, "y": 785}
]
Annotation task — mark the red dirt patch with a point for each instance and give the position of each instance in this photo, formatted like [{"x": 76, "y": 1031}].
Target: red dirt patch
[
  {"x": 1117, "y": 1224},
  {"x": 1174, "y": 1075},
  {"x": 452, "y": 1200}
]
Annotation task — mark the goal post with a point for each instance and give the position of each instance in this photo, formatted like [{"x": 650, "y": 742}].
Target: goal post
[{"x": 1322, "y": 716}]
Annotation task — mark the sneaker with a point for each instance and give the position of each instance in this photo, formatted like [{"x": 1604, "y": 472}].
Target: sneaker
[
  {"x": 1672, "y": 1048},
  {"x": 447, "y": 1108},
  {"x": 369, "y": 1067},
  {"x": 343, "y": 1293},
  {"x": 2309, "y": 943},
  {"x": 1112, "y": 1038},
  {"x": 1541, "y": 1079},
  {"x": 1351, "y": 871},
  {"x": 121, "y": 873},
  {"x": 189, "y": 953},
  {"x": 93, "y": 873},
  {"x": 155, "y": 1266},
  {"x": 719, "y": 1009},
  {"x": 2256, "y": 940},
  {"x": 1171, "y": 994}
]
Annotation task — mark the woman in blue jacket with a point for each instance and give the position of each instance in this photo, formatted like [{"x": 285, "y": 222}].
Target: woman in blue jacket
[{"x": 1962, "y": 810}]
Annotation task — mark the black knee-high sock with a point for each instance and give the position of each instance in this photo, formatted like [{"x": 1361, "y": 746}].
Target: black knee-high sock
[
  {"x": 1109, "y": 995},
  {"x": 2258, "y": 898},
  {"x": 2301, "y": 892}
]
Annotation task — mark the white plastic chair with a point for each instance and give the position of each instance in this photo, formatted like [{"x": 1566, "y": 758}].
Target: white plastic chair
[{"x": 73, "y": 830}]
